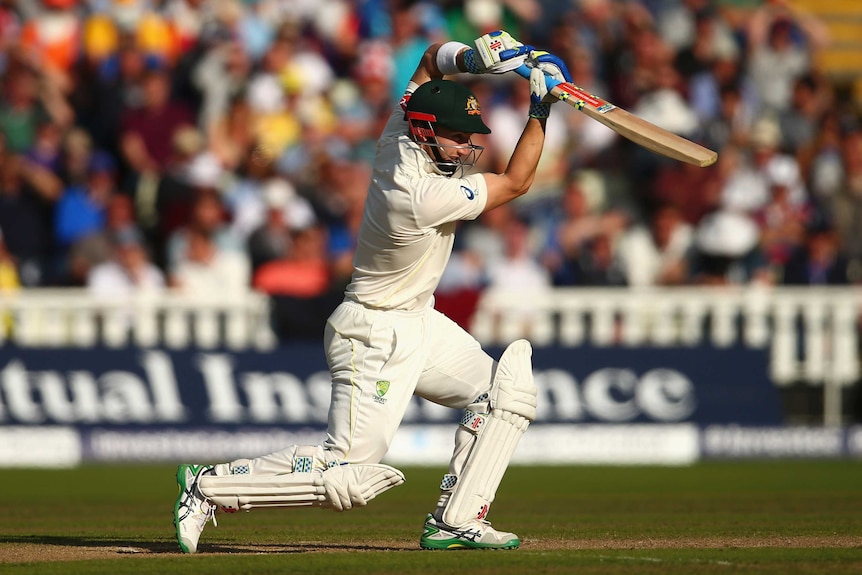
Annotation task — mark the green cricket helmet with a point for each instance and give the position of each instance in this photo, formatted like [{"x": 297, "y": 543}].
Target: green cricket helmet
[{"x": 454, "y": 107}]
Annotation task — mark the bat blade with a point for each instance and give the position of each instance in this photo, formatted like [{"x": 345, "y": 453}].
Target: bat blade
[
  {"x": 628, "y": 125},
  {"x": 635, "y": 128}
]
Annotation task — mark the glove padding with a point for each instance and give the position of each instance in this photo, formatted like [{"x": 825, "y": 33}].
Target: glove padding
[
  {"x": 549, "y": 64},
  {"x": 349, "y": 486},
  {"x": 500, "y": 52},
  {"x": 543, "y": 64}
]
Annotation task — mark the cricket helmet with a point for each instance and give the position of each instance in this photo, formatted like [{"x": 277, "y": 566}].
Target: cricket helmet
[{"x": 452, "y": 106}]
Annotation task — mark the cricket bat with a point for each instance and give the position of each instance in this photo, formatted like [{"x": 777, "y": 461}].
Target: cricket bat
[{"x": 628, "y": 125}]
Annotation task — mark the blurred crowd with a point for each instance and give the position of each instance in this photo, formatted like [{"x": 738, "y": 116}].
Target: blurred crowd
[{"x": 209, "y": 146}]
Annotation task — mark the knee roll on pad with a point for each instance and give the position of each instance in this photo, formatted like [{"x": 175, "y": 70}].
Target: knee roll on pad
[{"x": 514, "y": 388}]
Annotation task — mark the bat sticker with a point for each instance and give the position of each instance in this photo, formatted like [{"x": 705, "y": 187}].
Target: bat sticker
[{"x": 582, "y": 96}]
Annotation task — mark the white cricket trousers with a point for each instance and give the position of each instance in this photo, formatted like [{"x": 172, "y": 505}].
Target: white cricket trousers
[{"x": 378, "y": 360}]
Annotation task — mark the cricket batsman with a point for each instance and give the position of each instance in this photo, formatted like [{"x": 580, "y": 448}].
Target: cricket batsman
[{"x": 385, "y": 342}]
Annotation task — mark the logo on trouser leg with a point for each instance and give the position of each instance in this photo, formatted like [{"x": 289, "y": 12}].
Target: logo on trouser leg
[
  {"x": 381, "y": 387},
  {"x": 483, "y": 512}
]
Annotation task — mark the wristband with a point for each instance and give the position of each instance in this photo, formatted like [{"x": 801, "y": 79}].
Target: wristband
[{"x": 447, "y": 57}]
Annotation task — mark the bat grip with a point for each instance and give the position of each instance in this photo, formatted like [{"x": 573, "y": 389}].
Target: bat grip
[{"x": 524, "y": 70}]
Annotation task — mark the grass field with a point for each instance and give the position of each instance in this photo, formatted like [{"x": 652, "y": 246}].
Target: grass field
[{"x": 765, "y": 517}]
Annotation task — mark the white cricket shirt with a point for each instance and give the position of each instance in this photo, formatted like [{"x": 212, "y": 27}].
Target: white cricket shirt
[{"x": 408, "y": 227}]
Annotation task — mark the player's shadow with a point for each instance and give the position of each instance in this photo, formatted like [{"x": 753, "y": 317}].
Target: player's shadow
[
  {"x": 281, "y": 548},
  {"x": 135, "y": 546},
  {"x": 122, "y": 545}
]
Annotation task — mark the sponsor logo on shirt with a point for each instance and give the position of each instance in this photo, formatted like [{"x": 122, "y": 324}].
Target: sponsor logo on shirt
[{"x": 468, "y": 192}]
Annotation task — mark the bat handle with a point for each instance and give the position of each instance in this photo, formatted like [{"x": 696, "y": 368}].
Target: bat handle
[{"x": 524, "y": 70}]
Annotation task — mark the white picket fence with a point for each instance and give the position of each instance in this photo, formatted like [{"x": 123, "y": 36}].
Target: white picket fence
[
  {"x": 74, "y": 318},
  {"x": 812, "y": 333}
]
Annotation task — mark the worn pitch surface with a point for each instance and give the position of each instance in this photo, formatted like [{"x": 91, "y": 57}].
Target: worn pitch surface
[{"x": 759, "y": 517}]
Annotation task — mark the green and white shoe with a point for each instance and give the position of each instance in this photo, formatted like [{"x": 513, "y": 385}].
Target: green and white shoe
[
  {"x": 192, "y": 510},
  {"x": 476, "y": 534}
]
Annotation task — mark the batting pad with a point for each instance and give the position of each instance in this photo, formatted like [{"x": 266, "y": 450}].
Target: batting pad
[
  {"x": 512, "y": 407},
  {"x": 475, "y": 488},
  {"x": 340, "y": 487}
]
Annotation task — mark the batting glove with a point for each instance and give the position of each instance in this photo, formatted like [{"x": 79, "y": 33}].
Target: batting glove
[
  {"x": 498, "y": 52},
  {"x": 543, "y": 64}
]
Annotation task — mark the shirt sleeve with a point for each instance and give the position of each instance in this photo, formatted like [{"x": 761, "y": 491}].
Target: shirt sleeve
[
  {"x": 397, "y": 124},
  {"x": 441, "y": 200}
]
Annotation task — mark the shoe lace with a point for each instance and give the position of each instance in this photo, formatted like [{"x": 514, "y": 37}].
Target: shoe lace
[
  {"x": 209, "y": 509},
  {"x": 210, "y": 512}
]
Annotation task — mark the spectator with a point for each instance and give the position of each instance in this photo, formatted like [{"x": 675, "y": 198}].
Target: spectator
[
  {"x": 819, "y": 260},
  {"x": 587, "y": 143},
  {"x": 518, "y": 271},
  {"x": 460, "y": 288},
  {"x": 76, "y": 157},
  {"x": 97, "y": 247},
  {"x": 662, "y": 103},
  {"x": 81, "y": 209},
  {"x": 28, "y": 100},
  {"x": 207, "y": 217},
  {"x": 800, "y": 122},
  {"x": 658, "y": 254},
  {"x": 46, "y": 150},
  {"x": 147, "y": 132},
  {"x": 846, "y": 205},
  {"x": 108, "y": 85},
  {"x": 344, "y": 204},
  {"x": 191, "y": 169},
  {"x": 709, "y": 40},
  {"x": 282, "y": 212},
  {"x": 221, "y": 75},
  {"x": 748, "y": 187},
  {"x": 303, "y": 271},
  {"x": 506, "y": 121},
  {"x": 28, "y": 193},
  {"x": 777, "y": 58},
  {"x": 694, "y": 26},
  {"x": 731, "y": 122},
  {"x": 484, "y": 235},
  {"x": 244, "y": 196},
  {"x": 130, "y": 271},
  {"x": 408, "y": 41},
  {"x": 825, "y": 164},
  {"x": 727, "y": 251},
  {"x": 580, "y": 218},
  {"x": 273, "y": 124},
  {"x": 782, "y": 222},
  {"x": 675, "y": 185},
  {"x": 206, "y": 271},
  {"x": 300, "y": 286},
  {"x": 599, "y": 264},
  {"x": 52, "y": 34}
]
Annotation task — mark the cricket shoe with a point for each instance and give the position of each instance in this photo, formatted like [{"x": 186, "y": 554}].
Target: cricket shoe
[
  {"x": 192, "y": 510},
  {"x": 475, "y": 534}
]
